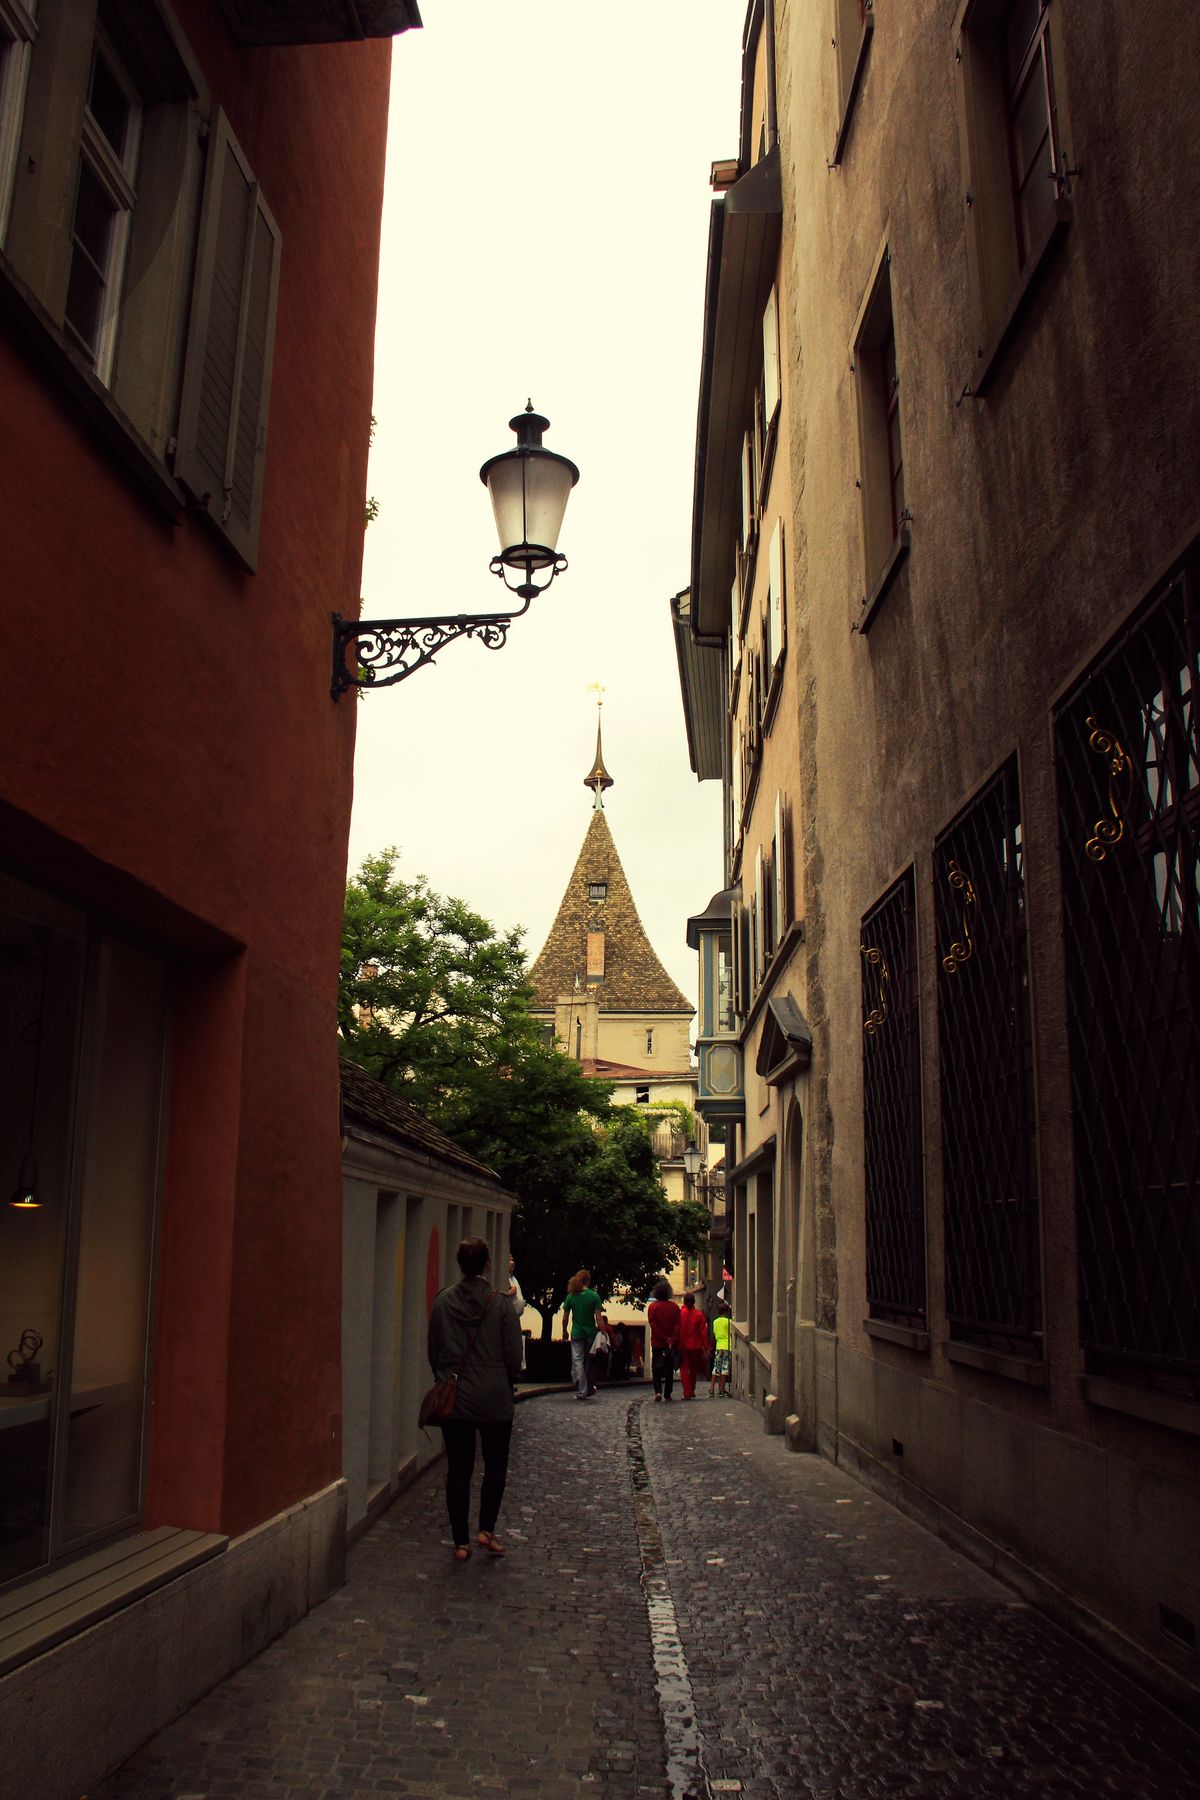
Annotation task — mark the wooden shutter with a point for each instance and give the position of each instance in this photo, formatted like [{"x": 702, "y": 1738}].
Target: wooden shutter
[
  {"x": 776, "y": 626},
  {"x": 227, "y": 369},
  {"x": 783, "y": 913},
  {"x": 770, "y": 357}
]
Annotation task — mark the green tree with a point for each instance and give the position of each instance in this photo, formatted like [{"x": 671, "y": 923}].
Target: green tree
[{"x": 434, "y": 1002}]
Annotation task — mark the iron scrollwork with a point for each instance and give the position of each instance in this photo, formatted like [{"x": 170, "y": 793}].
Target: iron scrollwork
[
  {"x": 1107, "y": 832},
  {"x": 877, "y": 1016},
  {"x": 962, "y": 949},
  {"x": 379, "y": 652}
]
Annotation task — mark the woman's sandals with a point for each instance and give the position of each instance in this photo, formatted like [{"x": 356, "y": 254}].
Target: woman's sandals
[{"x": 489, "y": 1542}]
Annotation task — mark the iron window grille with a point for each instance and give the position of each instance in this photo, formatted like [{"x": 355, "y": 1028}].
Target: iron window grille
[
  {"x": 893, "y": 1163},
  {"x": 993, "y": 1239},
  {"x": 1128, "y": 770}
]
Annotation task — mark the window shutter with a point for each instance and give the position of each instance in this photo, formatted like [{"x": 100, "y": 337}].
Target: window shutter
[
  {"x": 783, "y": 915},
  {"x": 227, "y": 371},
  {"x": 759, "y": 916},
  {"x": 738, "y": 959},
  {"x": 770, "y": 357},
  {"x": 776, "y": 615}
]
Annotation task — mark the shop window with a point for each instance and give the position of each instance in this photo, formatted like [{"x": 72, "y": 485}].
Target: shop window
[
  {"x": 1016, "y": 175},
  {"x": 891, "y": 1066},
  {"x": 885, "y": 516},
  {"x": 82, "y": 1040},
  {"x": 120, "y": 186},
  {"x": 992, "y": 1232}
]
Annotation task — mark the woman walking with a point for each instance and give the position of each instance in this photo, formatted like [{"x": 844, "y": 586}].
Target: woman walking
[
  {"x": 474, "y": 1335},
  {"x": 693, "y": 1345},
  {"x": 662, "y": 1316}
]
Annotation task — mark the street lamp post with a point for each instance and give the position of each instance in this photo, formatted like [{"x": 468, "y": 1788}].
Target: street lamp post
[{"x": 529, "y": 488}]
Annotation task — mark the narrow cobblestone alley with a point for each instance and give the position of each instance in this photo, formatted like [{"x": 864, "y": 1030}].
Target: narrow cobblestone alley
[{"x": 687, "y": 1610}]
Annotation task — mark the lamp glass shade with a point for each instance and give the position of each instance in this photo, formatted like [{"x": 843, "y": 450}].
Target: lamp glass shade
[
  {"x": 529, "y": 491},
  {"x": 691, "y": 1158}
]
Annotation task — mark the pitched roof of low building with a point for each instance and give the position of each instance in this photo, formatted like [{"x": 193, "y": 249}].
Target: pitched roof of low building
[
  {"x": 371, "y": 1103},
  {"x": 604, "y": 1070},
  {"x": 634, "y": 979}
]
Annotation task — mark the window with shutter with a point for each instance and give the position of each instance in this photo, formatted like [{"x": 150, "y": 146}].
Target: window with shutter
[
  {"x": 227, "y": 374},
  {"x": 775, "y": 612},
  {"x": 18, "y": 28}
]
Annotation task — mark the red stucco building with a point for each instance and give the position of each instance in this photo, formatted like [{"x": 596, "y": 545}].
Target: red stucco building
[{"x": 189, "y": 223}]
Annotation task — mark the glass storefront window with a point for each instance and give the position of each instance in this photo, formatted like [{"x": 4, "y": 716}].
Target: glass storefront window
[{"x": 82, "y": 1034}]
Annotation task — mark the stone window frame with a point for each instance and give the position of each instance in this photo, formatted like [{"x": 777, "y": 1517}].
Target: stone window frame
[
  {"x": 1004, "y": 272},
  {"x": 885, "y": 527},
  {"x": 853, "y": 29}
]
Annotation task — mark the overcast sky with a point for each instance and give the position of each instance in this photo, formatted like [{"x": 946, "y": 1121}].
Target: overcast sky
[{"x": 544, "y": 236}]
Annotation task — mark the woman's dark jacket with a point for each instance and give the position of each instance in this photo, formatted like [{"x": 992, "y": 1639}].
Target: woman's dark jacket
[{"x": 485, "y": 1387}]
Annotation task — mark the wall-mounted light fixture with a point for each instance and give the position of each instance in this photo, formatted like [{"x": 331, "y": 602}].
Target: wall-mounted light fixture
[{"x": 529, "y": 488}]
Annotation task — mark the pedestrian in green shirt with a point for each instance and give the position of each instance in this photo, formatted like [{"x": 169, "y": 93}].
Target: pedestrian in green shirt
[
  {"x": 722, "y": 1333},
  {"x": 580, "y": 1308}
]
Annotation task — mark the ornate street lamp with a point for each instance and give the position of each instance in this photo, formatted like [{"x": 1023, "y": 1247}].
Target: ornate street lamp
[{"x": 529, "y": 488}]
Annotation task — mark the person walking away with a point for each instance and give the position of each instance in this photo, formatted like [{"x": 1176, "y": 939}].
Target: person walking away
[
  {"x": 662, "y": 1315},
  {"x": 517, "y": 1300},
  {"x": 722, "y": 1336},
  {"x": 693, "y": 1345},
  {"x": 472, "y": 1332},
  {"x": 580, "y": 1308},
  {"x": 600, "y": 1359}
]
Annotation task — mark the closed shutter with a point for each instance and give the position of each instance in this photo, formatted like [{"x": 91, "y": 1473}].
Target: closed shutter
[{"x": 227, "y": 371}]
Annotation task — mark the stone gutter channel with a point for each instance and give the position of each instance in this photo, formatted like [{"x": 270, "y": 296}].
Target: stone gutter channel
[{"x": 686, "y": 1766}]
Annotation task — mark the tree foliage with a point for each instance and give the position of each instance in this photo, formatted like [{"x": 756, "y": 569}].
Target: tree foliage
[{"x": 434, "y": 1002}]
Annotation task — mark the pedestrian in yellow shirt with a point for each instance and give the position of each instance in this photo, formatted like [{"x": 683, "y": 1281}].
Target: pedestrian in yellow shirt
[{"x": 722, "y": 1331}]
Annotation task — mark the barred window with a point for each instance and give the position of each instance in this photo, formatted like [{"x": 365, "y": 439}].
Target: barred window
[
  {"x": 895, "y": 1187},
  {"x": 1128, "y": 764},
  {"x": 993, "y": 1249}
]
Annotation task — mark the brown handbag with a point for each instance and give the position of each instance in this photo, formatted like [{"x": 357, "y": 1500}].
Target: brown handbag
[{"x": 438, "y": 1403}]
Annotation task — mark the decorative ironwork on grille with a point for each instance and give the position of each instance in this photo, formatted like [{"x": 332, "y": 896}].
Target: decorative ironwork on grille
[
  {"x": 993, "y": 1258},
  {"x": 892, "y": 1109},
  {"x": 1128, "y": 768}
]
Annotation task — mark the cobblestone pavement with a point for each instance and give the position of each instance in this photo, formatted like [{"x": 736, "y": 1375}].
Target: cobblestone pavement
[{"x": 688, "y": 1610}]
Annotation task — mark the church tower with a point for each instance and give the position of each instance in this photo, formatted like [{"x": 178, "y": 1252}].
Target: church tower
[{"x": 599, "y": 983}]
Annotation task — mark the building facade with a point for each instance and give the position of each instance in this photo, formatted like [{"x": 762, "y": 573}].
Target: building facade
[
  {"x": 945, "y": 463},
  {"x": 190, "y": 197}
]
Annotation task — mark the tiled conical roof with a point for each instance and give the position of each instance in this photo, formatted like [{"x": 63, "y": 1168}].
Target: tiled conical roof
[{"x": 634, "y": 979}]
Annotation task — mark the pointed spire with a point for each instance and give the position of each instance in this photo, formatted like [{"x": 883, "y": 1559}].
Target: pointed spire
[{"x": 598, "y": 778}]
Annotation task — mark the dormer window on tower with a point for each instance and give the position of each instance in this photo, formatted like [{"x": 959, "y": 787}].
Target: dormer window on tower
[{"x": 597, "y": 890}]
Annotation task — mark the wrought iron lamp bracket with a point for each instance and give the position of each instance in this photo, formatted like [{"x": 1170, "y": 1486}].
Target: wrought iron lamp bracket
[
  {"x": 387, "y": 650},
  {"x": 370, "y": 653}
]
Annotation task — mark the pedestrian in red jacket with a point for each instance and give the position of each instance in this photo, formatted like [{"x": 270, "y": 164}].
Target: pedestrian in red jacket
[
  {"x": 693, "y": 1345},
  {"x": 663, "y": 1315}
]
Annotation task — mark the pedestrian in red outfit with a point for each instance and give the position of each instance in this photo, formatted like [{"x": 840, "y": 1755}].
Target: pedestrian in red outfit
[
  {"x": 693, "y": 1345},
  {"x": 663, "y": 1315}
]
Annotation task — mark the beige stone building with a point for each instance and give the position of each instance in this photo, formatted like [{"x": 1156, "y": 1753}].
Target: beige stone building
[
  {"x": 941, "y": 644},
  {"x": 603, "y": 994}
]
